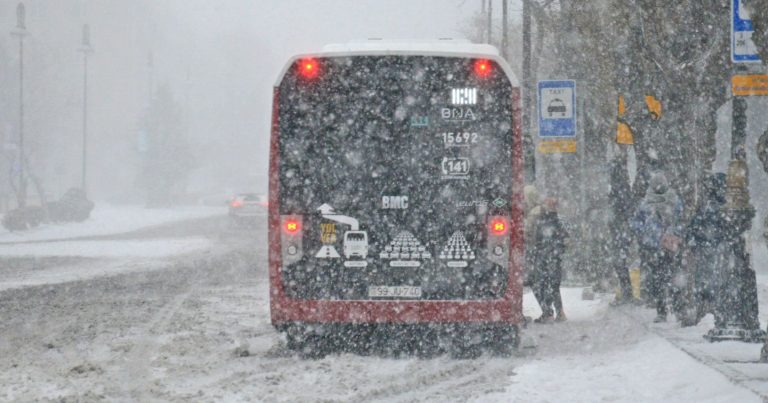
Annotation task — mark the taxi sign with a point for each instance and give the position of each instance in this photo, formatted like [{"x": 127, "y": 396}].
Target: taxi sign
[{"x": 557, "y": 108}]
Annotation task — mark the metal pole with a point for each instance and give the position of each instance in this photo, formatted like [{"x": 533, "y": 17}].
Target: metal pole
[
  {"x": 504, "y": 31},
  {"x": 490, "y": 18},
  {"x": 22, "y": 179},
  {"x": 86, "y": 49},
  {"x": 528, "y": 152},
  {"x": 21, "y": 31},
  {"x": 85, "y": 119}
]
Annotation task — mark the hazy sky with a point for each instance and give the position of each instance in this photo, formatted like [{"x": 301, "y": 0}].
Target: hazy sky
[
  {"x": 240, "y": 46},
  {"x": 219, "y": 57}
]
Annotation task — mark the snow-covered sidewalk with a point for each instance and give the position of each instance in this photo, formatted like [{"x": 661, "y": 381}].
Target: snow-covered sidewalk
[
  {"x": 603, "y": 354},
  {"x": 109, "y": 219}
]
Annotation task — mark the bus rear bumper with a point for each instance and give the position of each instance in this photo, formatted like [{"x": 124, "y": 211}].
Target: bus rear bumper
[
  {"x": 461, "y": 340},
  {"x": 507, "y": 311}
]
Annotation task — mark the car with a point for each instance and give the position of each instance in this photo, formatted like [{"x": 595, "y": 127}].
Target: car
[{"x": 245, "y": 208}]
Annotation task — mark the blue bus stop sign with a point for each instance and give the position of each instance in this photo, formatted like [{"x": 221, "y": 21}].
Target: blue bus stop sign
[
  {"x": 743, "y": 50},
  {"x": 557, "y": 108}
]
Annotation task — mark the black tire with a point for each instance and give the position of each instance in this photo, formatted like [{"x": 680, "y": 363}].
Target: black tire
[
  {"x": 503, "y": 341},
  {"x": 293, "y": 342},
  {"x": 466, "y": 352},
  {"x": 465, "y": 344},
  {"x": 314, "y": 347},
  {"x": 427, "y": 345}
]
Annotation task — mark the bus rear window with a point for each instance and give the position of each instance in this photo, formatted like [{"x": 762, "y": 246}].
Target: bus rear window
[{"x": 367, "y": 126}]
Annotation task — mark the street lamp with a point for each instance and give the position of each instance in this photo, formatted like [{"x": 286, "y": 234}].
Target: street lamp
[
  {"x": 736, "y": 317},
  {"x": 86, "y": 49},
  {"x": 20, "y": 32}
]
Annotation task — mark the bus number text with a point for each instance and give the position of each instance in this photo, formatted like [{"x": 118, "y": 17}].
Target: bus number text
[{"x": 451, "y": 139}]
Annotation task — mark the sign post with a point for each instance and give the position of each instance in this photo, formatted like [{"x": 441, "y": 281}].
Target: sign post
[{"x": 557, "y": 116}]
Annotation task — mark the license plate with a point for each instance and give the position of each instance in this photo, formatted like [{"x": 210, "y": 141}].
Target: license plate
[{"x": 400, "y": 291}]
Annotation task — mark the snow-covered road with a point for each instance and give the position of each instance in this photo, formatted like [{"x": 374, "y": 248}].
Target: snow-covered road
[{"x": 196, "y": 328}]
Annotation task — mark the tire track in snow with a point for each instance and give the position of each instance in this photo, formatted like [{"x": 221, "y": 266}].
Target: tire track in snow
[
  {"x": 139, "y": 360},
  {"x": 460, "y": 379}
]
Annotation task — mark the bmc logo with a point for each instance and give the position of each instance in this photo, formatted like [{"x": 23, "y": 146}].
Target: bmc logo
[{"x": 394, "y": 202}]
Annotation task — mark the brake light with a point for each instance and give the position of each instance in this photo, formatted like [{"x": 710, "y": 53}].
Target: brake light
[
  {"x": 308, "y": 68},
  {"x": 236, "y": 203},
  {"x": 482, "y": 68},
  {"x": 498, "y": 226},
  {"x": 292, "y": 226},
  {"x": 291, "y": 236}
]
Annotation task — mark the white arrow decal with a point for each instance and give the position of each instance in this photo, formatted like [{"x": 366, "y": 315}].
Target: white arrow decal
[{"x": 328, "y": 213}]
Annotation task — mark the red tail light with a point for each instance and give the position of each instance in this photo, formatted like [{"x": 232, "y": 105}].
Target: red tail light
[
  {"x": 292, "y": 226},
  {"x": 236, "y": 203},
  {"x": 308, "y": 68},
  {"x": 498, "y": 226},
  {"x": 482, "y": 68}
]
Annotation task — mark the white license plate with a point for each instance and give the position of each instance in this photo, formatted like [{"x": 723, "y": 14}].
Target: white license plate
[{"x": 399, "y": 291}]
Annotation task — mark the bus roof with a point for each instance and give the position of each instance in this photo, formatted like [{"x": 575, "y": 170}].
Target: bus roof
[{"x": 448, "y": 48}]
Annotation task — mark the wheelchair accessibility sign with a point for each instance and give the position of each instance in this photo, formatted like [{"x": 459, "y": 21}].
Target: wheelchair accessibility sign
[{"x": 557, "y": 108}]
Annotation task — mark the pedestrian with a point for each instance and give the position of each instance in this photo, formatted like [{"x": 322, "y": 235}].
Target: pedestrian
[
  {"x": 531, "y": 215},
  {"x": 620, "y": 197},
  {"x": 549, "y": 242},
  {"x": 706, "y": 239},
  {"x": 657, "y": 225}
]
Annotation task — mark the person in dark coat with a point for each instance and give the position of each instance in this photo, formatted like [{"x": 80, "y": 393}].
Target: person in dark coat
[
  {"x": 657, "y": 225},
  {"x": 549, "y": 239},
  {"x": 706, "y": 239}
]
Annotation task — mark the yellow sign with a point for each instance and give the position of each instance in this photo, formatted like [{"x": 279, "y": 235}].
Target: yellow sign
[
  {"x": 654, "y": 106},
  {"x": 623, "y": 132},
  {"x": 557, "y": 146},
  {"x": 754, "y": 84},
  {"x": 622, "y": 106},
  {"x": 328, "y": 233}
]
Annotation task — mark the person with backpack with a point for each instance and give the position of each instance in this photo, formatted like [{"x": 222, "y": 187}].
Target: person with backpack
[{"x": 657, "y": 224}]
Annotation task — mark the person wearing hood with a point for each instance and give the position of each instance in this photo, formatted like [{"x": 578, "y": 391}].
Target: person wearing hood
[
  {"x": 531, "y": 216},
  {"x": 706, "y": 239},
  {"x": 656, "y": 223},
  {"x": 549, "y": 240}
]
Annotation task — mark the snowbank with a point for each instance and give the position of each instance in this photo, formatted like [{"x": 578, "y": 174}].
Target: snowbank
[
  {"x": 110, "y": 219},
  {"x": 114, "y": 249}
]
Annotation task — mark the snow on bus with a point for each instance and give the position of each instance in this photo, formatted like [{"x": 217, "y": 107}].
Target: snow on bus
[{"x": 395, "y": 200}]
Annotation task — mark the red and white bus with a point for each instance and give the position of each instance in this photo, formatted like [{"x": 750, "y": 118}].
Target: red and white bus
[{"x": 395, "y": 184}]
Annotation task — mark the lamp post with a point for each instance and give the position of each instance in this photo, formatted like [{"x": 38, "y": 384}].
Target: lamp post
[
  {"x": 86, "y": 49},
  {"x": 736, "y": 315},
  {"x": 20, "y": 32}
]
